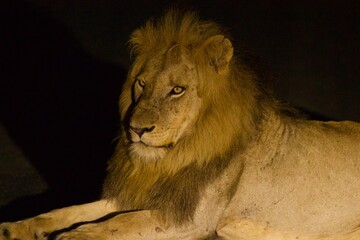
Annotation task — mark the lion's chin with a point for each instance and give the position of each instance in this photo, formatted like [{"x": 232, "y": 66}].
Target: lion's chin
[{"x": 145, "y": 152}]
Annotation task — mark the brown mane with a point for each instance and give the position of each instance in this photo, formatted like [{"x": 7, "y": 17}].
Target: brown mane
[{"x": 174, "y": 184}]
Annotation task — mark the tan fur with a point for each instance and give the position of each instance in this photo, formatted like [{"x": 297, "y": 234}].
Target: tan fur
[
  {"x": 205, "y": 152},
  {"x": 207, "y": 52}
]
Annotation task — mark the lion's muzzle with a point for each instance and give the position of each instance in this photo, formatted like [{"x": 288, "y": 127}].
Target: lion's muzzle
[{"x": 141, "y": 131}]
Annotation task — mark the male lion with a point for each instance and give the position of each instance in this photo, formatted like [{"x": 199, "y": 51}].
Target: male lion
[{"x": 205, "y": 152}]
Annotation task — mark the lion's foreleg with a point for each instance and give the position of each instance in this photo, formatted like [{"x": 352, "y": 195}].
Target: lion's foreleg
[
  {"x": 244, "y": 229},
  {"x": 135, "y": 225},
  {"x": 41, "y": 226}
]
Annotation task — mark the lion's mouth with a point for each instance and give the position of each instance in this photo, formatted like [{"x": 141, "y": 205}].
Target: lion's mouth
[
  {"x": 148, "y": 152},
  {"x": 166, "y": 146},
  {"x": 145, "y": 141}
]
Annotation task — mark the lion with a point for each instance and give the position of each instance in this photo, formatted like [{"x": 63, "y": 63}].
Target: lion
[{"x": 206, "y": 152}]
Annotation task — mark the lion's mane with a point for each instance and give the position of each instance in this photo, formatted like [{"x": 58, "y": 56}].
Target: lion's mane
[{"x": 232, "y": 108}]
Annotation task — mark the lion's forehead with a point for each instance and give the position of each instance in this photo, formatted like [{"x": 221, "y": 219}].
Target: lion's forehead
[{"x": 156, "y": 69}]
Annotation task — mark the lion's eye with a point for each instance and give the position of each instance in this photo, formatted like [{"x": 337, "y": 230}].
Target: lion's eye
[
  {"x": 141, "y": 82},
  {"x": 177, "y": 90}
]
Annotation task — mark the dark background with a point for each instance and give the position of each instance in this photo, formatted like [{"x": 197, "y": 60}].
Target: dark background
[{"x": 63, "y": 63}]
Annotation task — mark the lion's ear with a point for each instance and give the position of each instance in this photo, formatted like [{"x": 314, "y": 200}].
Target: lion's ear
[{"x": 219, "y": 51}]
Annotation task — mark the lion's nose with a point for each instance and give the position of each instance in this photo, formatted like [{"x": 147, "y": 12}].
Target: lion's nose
[{"x": 141, "y": 131}]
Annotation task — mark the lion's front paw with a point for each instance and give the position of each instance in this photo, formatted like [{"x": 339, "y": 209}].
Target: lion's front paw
[
  {"x": 19, "y": 231},
  {"x": 86, "y": 232},
  {"x": 13, "y": 231},
  {"x": 73, "y": 235}
]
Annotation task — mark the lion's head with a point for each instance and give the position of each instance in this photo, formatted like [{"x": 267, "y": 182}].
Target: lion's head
[
  {"x": 165, "y": 104},
  {"x": 184, "y": 98}
]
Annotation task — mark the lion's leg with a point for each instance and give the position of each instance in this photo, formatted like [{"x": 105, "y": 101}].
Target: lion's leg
[
  {"x": 41, "y": 226},
  {"x": 135, "y": 225},
  {"x": 244, "y": 229}
]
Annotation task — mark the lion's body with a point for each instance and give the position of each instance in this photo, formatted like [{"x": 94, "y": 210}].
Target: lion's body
[
  {"x": 302, "y": 177},
  {"x": 204, "y": 150}
]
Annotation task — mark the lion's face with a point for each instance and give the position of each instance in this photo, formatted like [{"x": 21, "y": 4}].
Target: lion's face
[{"x": 165, "y": 106}]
